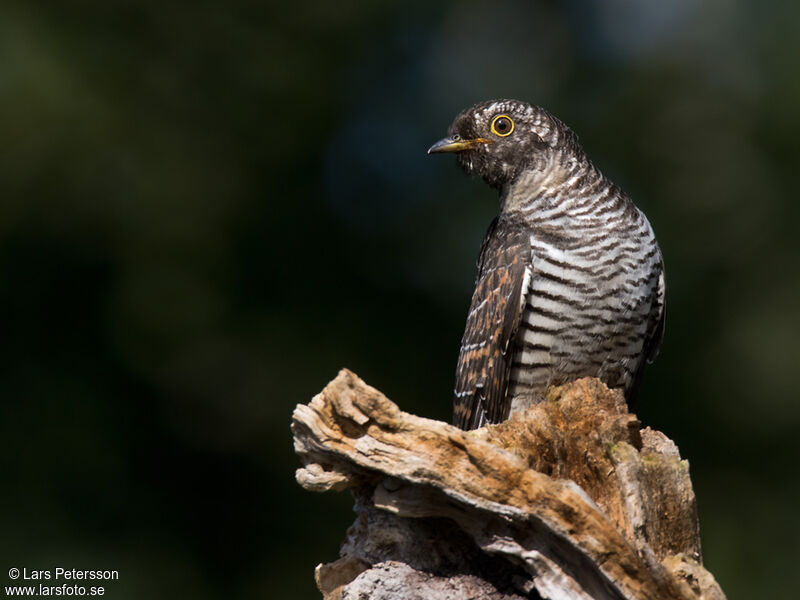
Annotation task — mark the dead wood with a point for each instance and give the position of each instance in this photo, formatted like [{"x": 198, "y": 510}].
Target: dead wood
[{"x": 571, "y": 499}]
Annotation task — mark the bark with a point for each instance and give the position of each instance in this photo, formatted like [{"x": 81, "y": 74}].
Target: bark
[{"x": 571, "y": 499}]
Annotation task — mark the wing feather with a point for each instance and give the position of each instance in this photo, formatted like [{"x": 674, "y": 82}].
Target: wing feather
[
  {"x": 655, "y": 335},
  {"x": 484, "y": 362}
]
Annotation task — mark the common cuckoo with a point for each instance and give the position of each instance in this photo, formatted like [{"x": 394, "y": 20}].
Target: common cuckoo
[{"x": 570, "y": 277}]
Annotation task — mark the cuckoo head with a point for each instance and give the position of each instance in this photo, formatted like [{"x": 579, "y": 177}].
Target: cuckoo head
[{"x": 501, "y": 139}]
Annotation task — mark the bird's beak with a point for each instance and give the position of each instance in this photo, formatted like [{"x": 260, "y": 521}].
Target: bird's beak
[{"x": 456, "y": 144}]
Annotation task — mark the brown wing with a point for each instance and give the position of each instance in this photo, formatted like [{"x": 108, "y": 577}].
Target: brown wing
[{"x": 484, "y": 362}]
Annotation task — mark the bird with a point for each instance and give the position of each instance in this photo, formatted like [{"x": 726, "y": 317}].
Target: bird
[{"x": 570, "y": 280}]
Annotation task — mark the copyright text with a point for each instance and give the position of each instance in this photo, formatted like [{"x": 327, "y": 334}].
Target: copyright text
[{"x": 59, "y": 581}]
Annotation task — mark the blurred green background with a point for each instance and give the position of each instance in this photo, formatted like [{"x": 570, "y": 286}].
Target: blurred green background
[{"x": 208, "y": 208}]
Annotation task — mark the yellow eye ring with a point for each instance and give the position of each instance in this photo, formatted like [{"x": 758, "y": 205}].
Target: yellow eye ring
[{"x": 502, "y": 125}]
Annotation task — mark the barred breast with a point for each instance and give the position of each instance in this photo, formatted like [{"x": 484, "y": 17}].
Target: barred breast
[{"x": 595, "y": 293}]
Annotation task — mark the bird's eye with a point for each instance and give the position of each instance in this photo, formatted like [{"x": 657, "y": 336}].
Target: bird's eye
[{"x": 502, "y": 125}]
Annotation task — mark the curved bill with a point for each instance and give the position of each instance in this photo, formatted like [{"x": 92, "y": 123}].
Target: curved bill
[{"x": 455, "y": 144}]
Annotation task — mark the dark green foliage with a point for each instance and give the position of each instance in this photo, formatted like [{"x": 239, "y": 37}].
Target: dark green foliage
[{"x": 207, "y": 208}]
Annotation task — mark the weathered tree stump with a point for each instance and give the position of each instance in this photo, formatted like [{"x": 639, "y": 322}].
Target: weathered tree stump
[{"x": 569, "y": 500}]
